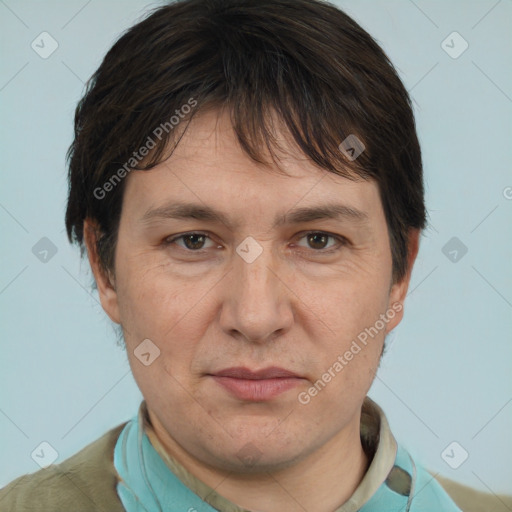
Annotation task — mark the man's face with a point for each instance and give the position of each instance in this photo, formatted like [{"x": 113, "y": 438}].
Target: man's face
[{"x": 251, "y": 295}]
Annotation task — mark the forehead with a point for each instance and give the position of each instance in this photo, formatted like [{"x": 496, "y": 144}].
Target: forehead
[{"x": 209, "y": 171}]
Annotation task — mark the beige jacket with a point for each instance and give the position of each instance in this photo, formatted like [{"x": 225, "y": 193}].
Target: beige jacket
[{"x": 86, "y": 482}]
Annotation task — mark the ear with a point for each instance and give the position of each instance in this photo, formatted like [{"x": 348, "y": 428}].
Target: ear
[
  {"x": 398, "y": 291},
  {"x": 104, "y": 279}
]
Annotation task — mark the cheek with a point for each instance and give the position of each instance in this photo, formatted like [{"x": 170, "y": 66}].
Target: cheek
[
  {"x": 172, "y": 311},
  {"x": 348, "y": 334},
  {"x": 144, "y": 291},
  {"x": 164, "y": 311},
  {"x": 146, "y": 310},
  {"x": 349, "y": 305}
]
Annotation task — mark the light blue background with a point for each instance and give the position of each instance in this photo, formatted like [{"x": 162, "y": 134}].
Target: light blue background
[{"x": 446, "y": 376}]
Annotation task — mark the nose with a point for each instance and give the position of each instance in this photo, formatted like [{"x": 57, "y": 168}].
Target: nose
[{"x": 258, "y": 304}]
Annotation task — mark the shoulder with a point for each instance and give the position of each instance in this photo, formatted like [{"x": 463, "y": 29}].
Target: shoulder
[
  {"x": 441, "y": 493},
  {"x": 84, "y": 482},
  {"x": 471, "y": 500},
  {"x": 421, "y": 491}
]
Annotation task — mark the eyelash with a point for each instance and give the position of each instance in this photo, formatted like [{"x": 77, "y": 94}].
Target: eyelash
[{"x": 341, "y": 241}]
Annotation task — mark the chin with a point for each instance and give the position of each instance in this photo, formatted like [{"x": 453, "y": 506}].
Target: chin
[
  {"x": 257, "y": 453},
  {"x": 250, "y": 460}
]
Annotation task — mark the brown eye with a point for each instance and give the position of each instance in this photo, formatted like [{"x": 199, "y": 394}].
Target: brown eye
[
  {"x": 318, "y": 241},
  {"x": 193, "y": 242}
]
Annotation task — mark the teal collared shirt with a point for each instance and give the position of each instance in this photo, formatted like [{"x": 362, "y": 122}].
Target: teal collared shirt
[{"x": 152, "y": 481}]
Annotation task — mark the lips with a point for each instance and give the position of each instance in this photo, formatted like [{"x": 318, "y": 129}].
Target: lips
[
  {"x": 273, "y": 372},
  {"x": 256, "y": 386}
]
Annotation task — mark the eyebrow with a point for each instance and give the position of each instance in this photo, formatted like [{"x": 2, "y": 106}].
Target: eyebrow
[{"x": 187, "y": 211}]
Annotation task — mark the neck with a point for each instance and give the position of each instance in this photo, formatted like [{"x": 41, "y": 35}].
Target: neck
[{"x": 322, "y": 481}]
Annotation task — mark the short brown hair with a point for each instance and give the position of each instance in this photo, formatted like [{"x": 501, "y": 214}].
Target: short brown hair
[{"x": 305, "y": 60}]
